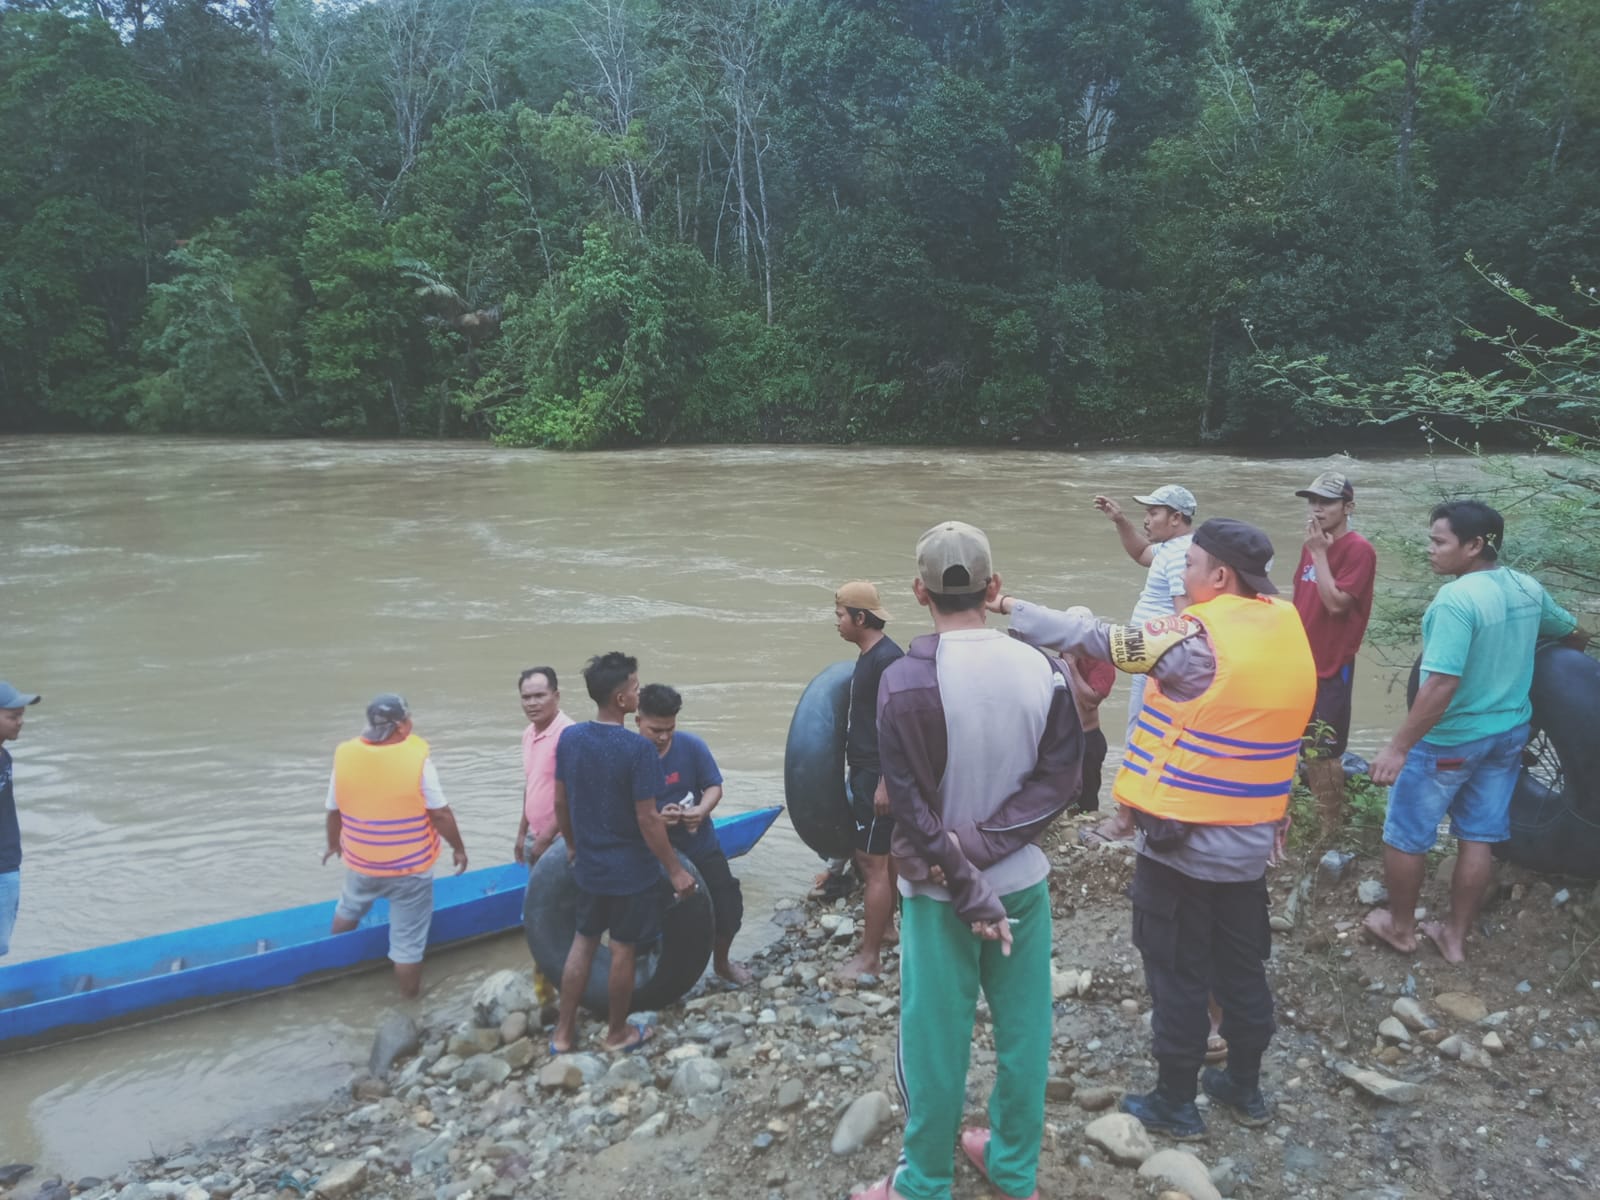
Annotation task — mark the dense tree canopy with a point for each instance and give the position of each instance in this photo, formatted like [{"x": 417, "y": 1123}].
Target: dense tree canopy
[{"x": 594, "y": 222}]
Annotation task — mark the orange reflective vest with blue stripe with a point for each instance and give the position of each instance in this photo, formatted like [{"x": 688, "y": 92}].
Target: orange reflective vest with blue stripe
[
  {"x": 1228, "y": 756},
  {"x": 385, "y": 827}
]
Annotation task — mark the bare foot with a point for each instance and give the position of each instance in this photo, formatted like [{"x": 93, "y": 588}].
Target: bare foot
[
  {"x": 1451, "y": 948},
  {"x": 734, "y": 972},
  {"x": 857, "y": 967},
  {"x": 636, "y": 1036},
  {"x": 1380, "y": 924}
]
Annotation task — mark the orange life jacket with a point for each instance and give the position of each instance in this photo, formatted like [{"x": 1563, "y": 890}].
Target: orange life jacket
[
  {"x": 386, "y": 827},
  {"x": 1228, "y": 756}
]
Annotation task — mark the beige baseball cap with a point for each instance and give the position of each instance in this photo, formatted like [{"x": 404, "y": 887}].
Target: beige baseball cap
[
  {"x": 858, "y": 593},
  {"x": 953, "y": 559}
]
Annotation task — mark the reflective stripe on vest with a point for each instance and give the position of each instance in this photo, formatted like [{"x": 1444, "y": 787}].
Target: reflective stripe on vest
[
  {"x": 386, "y": 829},
  {"x": 1228, "y": 756}
]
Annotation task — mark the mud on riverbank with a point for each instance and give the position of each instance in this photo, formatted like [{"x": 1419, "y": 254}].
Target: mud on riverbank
[{"x": 1393, "y": 1077}]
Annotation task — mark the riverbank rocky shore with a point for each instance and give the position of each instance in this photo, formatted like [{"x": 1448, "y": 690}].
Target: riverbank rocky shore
[{"x": 1393, "y": 1077}]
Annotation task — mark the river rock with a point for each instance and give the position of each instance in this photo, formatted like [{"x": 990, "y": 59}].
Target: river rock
[
  {"x": 483, "y": 1068},
  {"x": 1461, "y": 1006},
  {"x": 467, "y": 1039},
  {"x": 1332, "y": 866},
  {"x": 514, "y": 1027},
  {"x": 1122, "y": 1137},
  {"x": 1182, "y": 1170},
  {"x": 11, "y": 1173},
  {"x": 341, "y": 1179},
  {"x": 397, "y": 1035},
  {"x": 1093, "y": 1099},
  {"x": 791, "y": 1094},
  {"x": 561, "y": 1074},
  {"x": 629, "y": 1071},
  {"x": 697, "y": 1077},
  {"x": 1371, "y": 892},
  {"x": 651, "y": 1127},
  {"x": 1381, "y": 1086},
  {"x": 1411, "y": 1015},
  {"x": 1493, "y": 1044},
  {"x": 861, "y": 1122},
  {"x": 1392, "y": 1029},
  {"x": 518, "y": 1054},
  {"x": 500, "y": 995}
]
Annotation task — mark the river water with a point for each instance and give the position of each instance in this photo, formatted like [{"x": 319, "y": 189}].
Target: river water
[{"x": 207, "y": 619}]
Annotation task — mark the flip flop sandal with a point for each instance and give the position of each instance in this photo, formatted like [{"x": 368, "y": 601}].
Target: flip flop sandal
[{"x": 975, "y": 1145}]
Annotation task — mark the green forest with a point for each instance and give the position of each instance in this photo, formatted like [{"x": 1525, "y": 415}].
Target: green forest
[{"x": 579, "y": 223}]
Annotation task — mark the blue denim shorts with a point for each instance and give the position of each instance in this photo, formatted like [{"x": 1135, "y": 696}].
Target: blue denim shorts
[{"x": 1472, "y": 782}]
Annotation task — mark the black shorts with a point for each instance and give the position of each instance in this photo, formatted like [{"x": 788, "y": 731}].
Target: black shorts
[
  {"x": 873, "y": 830},
  {"x": 1329, "y": 730},
  {"x": 727, "y": 897},
  {"x": 630, "y": 919}
]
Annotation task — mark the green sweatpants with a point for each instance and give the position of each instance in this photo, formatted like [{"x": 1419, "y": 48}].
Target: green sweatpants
[{"x": 942, "y": 966}]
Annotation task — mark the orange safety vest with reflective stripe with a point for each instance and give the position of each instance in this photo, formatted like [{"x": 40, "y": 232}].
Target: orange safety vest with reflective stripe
[
  {"x": 1228, "y": 756},
  {"x": 386, "y": 829}
]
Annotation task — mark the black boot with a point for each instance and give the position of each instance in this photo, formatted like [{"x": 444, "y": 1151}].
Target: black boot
[
  {"x": 1248, "y": 1105},
  {"x": 1158, "y": 1111}
]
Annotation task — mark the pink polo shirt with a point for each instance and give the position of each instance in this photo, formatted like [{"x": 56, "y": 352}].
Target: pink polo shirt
[{"x": 539, "y": 768}]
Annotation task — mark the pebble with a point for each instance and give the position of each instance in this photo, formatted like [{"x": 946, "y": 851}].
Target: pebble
[
  {"x": 1392, "y": 1029},
  {"x": 1492, "y": 1043},
  {"x": 1121, "y": 1137},
  {"x": 1371, "y": 892},
  {"x": 1381, "y": 1086},
  {"x": 1331, "y": 867},
  {"x": 861, "y": 1122},
  {"x": 1410, "y": 1013},
  {"x": 1461, "y": 1006},
  {"x": 651, "y": 1126},
  {"x": 791, "y": 1094}
]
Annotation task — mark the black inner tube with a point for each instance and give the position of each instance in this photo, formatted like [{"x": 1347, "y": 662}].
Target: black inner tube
[{"x": 664, "y": 969}]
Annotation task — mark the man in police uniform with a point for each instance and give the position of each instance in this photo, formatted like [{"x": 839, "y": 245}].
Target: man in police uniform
[{"x": 1207, "y": 771}]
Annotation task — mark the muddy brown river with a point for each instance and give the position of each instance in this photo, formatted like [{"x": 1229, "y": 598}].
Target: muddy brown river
[{"x": 207, "y": 619}]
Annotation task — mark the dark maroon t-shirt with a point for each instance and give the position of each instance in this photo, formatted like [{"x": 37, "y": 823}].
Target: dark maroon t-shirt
[{"x": 1335, "y": 639}]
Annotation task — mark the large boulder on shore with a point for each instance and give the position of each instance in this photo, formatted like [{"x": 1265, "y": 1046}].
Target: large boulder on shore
[{"x": 500, "y": 995}]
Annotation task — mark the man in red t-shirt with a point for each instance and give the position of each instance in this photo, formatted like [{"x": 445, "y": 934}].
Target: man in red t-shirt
[{"x": 1333, "y": 594}]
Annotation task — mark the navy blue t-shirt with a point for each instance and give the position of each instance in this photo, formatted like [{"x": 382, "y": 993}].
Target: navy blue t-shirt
[
  {"x": 10, "y": 835},
  {"x": 690, "y": 770},
  {"x": 606, "y": 770}
]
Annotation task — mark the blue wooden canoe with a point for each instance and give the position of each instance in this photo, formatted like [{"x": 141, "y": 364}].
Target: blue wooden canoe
[{"x": 69, "y": 994}]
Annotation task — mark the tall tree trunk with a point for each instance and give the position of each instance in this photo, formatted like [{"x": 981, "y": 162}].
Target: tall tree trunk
[{"x": 1411, "y": 58}]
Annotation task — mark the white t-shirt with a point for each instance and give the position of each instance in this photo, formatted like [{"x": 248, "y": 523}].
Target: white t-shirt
[
  {"x": 432, "y": 793},
  {"x": 996, "y": 693},
  {"x": 1163, "y": 583}
]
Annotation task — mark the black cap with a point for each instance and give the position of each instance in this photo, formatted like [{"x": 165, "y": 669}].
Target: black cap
[
  {"x": 384, "y": 715},
  {"x": 1241, "y": 546}
]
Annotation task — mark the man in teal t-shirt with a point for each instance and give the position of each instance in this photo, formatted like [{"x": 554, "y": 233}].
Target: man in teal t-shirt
[{"x": 1459, "y": 750}]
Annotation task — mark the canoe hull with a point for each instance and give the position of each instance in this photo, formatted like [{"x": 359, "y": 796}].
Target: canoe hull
[{"x": 69, "y": 994}]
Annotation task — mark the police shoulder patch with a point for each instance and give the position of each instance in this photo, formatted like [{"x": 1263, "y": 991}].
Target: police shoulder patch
[{"x": 1137, "y": 648}]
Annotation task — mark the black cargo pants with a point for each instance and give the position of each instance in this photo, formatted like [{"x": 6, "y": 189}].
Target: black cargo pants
[{"x": 1197, "y": 939}]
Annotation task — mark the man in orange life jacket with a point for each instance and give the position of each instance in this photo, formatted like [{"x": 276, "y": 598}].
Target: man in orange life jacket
[
  {"x": 1207, "y": 771},
  {"x": 386, "y": 814}
]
